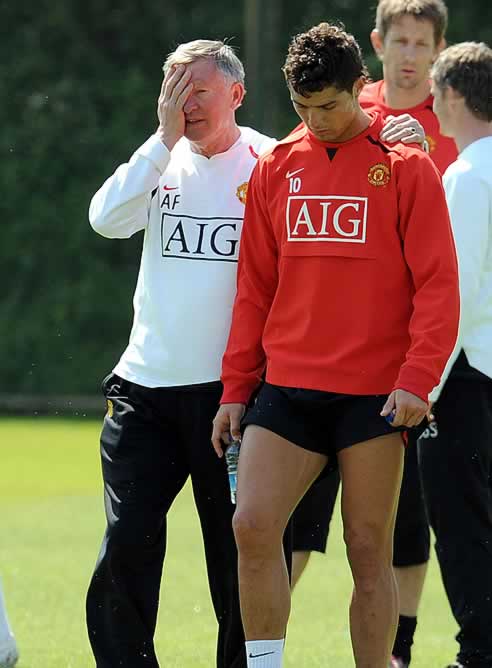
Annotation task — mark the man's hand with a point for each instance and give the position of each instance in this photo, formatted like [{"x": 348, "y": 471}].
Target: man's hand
[
  {"x": 408, "y": 409},
  {"x": 175, "y": 91},
  {"x": 404, "y": 128},
  {"x": 226, "y": 425}
]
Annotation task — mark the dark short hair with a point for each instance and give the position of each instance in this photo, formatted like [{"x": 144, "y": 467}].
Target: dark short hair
[
  {"x": 434, "y": 11},
  {"x": 467, "y": 68},
  {"x": 323, "y": 56}
]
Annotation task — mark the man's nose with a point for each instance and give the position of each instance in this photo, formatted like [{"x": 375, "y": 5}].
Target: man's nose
[
  {"x": 190, "y": 104},
  {"x": 410, "y": 52},
  {"x": 313, "y": 118}
]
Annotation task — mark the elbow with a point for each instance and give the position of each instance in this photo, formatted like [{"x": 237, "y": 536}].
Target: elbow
[
  {"x": 110, "y": 229},
  {"x": 98, "y": 225},
  {"x": 103, "y": 227},
  {"x": 108, "y": 226},
  {"x": 98, "y": 221}
]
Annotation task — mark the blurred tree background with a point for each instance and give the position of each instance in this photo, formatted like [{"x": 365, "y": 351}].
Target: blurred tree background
[{"x": 79, "y": 83}]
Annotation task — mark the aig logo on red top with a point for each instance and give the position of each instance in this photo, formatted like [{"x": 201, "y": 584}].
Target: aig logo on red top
[{"x": 331, "y": 218}]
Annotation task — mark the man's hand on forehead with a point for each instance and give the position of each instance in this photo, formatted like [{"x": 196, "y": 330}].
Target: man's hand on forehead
[{"x": 175, "y": 91}]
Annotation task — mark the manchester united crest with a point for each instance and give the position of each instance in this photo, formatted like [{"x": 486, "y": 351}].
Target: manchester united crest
[
  {"x": 379, "y": 174},
  {"x": 432, "y": 143},
  {"x": 241, "y": 192}
]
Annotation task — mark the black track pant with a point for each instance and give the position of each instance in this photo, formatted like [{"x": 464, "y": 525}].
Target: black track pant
[
  {"x": 152, "y": 440},
  {"x": 456, "y": 465}
]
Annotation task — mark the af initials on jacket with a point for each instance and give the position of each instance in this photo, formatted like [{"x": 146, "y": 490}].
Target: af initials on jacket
[{"x": 347, "y": 276}]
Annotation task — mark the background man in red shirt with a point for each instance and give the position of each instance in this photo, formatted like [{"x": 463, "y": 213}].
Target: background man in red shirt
[
  {"x": 408, "y": 36},
  {"x": 333, "y": 227}
]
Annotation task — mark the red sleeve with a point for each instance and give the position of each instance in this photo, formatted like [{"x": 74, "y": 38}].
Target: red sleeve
[
  {"x": 244, "y": 359},
  {"x": 429, "y": 251}
]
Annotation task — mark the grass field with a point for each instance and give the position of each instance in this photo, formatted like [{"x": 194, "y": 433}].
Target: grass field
[{"x": 52, "y": 523}]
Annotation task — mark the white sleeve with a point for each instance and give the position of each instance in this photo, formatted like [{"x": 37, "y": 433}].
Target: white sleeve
[
  {"x": 468, "y": 203},
  {"x": 121, "y": 206}
]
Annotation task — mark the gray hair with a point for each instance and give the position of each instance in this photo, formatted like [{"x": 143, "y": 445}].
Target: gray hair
[{"x": 222, "y": 54}]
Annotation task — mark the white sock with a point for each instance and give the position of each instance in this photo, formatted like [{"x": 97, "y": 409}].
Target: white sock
[
  {"x": 265, "y": 653},
  {"x": 5, "y": 630}
]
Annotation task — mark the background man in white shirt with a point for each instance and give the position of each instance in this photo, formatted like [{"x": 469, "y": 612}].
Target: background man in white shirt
[
  {"x": 186, "y": 188},
  {"x": 457, "y": 461}
]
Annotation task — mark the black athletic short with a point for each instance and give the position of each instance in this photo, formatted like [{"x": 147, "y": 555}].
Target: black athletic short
[{"x": 324, "y": 422}]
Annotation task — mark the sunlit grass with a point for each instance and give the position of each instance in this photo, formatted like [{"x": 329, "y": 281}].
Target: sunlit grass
[{"x": 51, "y": 526}]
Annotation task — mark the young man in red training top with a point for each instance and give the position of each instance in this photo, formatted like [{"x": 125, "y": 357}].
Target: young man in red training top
[
  {"x": 408, "y": 37},
  {"x": 332, "y": 237}
]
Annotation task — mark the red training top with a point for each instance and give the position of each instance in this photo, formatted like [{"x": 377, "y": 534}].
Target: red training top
[
  {"x": 347, "y": 276},
  {"x": 442, "y": 150}
]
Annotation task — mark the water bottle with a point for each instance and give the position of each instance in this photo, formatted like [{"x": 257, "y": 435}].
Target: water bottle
[{"x": 232, "y": 458}]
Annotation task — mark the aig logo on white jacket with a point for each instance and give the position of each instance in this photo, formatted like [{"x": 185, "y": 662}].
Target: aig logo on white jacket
[
  {"x": 197, "y": 238},
  {"x": 333, "y": 218}
]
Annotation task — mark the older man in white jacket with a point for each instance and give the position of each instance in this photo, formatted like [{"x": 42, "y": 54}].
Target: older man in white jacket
[{"x": 186, "y": 188}]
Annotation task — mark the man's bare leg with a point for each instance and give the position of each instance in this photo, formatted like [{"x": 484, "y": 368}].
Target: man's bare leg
[
  {"x": 371, "y": 477},
  {"x": 410, "y": 581},
  {"x": 273, "y": 476}
]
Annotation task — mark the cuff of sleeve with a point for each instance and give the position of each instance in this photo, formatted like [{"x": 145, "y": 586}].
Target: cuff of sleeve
[
  {"x": 416, "y": 381},
  {"x": 156, "y": 152},
  {"x": 236, "y": 393}
]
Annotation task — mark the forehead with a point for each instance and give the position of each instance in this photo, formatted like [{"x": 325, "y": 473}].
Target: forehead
[
  {"x": 319, "y": 98},
  {"x": 205, "y": 70},
  {"x": 411, "y": 27}
]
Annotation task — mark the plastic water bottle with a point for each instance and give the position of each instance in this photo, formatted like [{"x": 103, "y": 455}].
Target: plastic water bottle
[{"x": 232, "y": 458}]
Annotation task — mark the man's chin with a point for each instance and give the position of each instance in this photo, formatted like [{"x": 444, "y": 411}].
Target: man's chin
[
  {"x": 324, "y": 135},
  {"x": 408, "y": 83},
  {"x": 195, "y": 130}
]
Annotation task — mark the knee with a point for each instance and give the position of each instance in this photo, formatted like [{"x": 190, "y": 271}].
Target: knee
[
  {"x": 254, "y": 531},
  {"x": 133, "y": 537},
  {"x": 369, "y": 556}
]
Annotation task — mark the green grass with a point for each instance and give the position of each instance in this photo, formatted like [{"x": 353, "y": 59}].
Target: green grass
[{"x": 52, "y": 523}]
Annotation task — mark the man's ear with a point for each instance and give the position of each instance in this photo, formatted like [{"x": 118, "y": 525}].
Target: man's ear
[
  {"x": 238, "y": 93},
  {"x": 358, "y": 86},
  {"x": 442, "y": 45},
  {"x": 377, "y": 43}
]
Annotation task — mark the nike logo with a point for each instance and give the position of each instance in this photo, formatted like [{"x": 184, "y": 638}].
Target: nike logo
[
  {"x": 255, "y": 656},
  {"x": 289, "y": 175},
  {"x": 169, "y": 188},
  {"x": 253, "y": 152}
]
